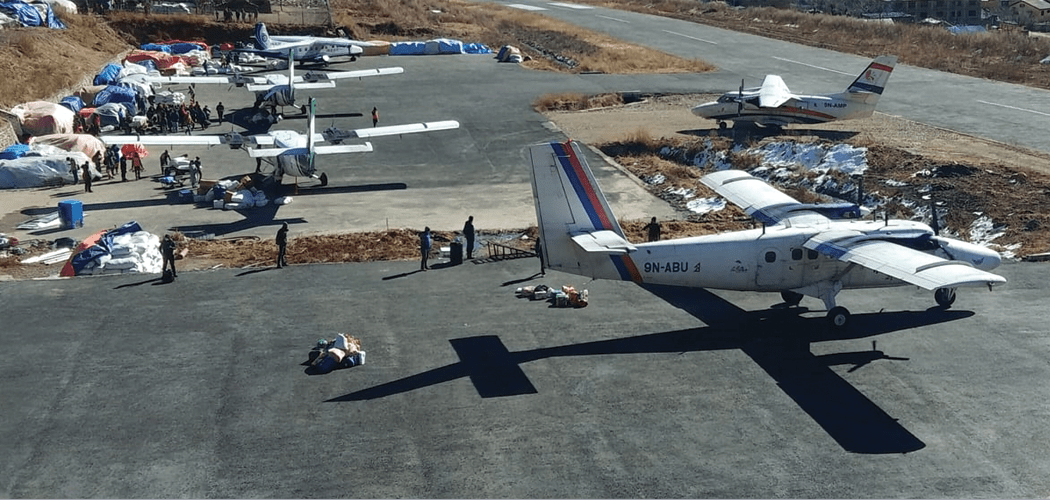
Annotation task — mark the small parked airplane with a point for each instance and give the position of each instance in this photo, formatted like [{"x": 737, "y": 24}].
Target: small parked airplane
[
  {"x": 276, "y": 89},
  {"x": 773, "y": 104},
  {"x": 292, "y": 153},
  {"x": 801, "y": 250},
  {"x": 306, "y": 49},
  {"x": 310, "y": 49}
]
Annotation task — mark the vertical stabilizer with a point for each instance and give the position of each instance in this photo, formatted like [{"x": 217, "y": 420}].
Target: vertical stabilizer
[
  {"x": 570, "y": 205},
  {"x": 873, "y": 79},
  {"x": 262, "y": 38}
]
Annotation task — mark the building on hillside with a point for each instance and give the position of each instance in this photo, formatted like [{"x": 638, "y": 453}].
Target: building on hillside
[
  {"x": 950, "y": 11},
  {"x": 1029, "y": 11}
]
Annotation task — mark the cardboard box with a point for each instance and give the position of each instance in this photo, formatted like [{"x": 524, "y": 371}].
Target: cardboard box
[
  {"x": 204, "y": 186},
  {"x": 246, "y": 182},
  {"x": 229, "y": 197}
]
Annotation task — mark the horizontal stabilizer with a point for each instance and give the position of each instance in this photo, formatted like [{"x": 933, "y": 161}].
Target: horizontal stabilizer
[
  {"x": 349, "y": 148},
  {"x": 271, "y": 152},
  {"x": 603, "y": 242}
]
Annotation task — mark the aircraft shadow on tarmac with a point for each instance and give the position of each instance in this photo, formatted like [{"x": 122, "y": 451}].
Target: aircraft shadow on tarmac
[
  {"x": 777, "y": 339},
  {"x": 743, "y": 133}
]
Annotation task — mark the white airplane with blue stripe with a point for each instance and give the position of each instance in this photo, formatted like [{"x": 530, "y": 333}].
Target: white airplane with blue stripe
[
  {"x": 801, "y": 249},
  {"x": 773, "y": 104}
]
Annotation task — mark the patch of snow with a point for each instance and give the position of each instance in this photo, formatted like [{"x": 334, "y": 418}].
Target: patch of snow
[
  {"x": 705, "y": 205},
  {"x": 654, "y": 180},
  {"x": 685, "y": 193},
  {"x": 891, "y": 182},
  {"x": 983, "y": 230}
]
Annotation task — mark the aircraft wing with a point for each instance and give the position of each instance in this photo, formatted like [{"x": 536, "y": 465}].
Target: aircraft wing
[
  {"x": 321, "y": 150},
  {"x": 604, "y": 241},
  {"x": 758, "y": 199},
  {"x": 178, "y": 140},
  {"x": 915, "y": 267},
  {"x": 773, "y": 92},
  {"x": 224, "y": 79},
  {"x": 337, "y": 75},
  {"x": 333, "y": 135}
]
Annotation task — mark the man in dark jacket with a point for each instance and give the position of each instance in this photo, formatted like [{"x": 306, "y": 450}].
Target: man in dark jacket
[
  {"x": 167, "y": 252},
  {"x": 468, "y": 233},
  {"x": 424, "y": 248},
  {"x": 282, "y": 245}
]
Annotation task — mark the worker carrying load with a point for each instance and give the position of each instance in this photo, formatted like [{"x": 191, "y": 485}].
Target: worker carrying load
[{"x": 343, "y": 351}]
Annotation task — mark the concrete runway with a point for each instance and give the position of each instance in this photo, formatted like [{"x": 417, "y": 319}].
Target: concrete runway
[{"x": 197, "y": 389}]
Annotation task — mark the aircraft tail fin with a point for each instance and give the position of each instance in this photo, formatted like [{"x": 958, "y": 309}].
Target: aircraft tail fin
[
  {"x": 262, "y": 38},
  {"x": 578, "y": 232},
  {"x": 873, "y": 79}
]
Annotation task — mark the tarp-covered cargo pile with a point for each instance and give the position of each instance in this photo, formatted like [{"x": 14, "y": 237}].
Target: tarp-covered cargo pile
[
  {"x": 45, "y": 160},
  {"x": 344, "y": 351},
  {"x": 35, "y": 14},
  {"x": 437, "y": 46},
  {"x": 229, "y": 194},
  {"x": 126, "y": 249}
]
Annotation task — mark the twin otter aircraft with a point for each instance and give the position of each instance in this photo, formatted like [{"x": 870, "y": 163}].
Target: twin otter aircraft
[
  {"x": 774, "y": 105},
  {"x": 802, "y": 249}
]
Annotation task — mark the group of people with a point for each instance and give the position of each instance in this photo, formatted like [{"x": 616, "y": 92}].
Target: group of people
[
  {"x": 171, "y": 118},
  {"x": 237, "y": 15},
  {"x": 426, "y": 241}
]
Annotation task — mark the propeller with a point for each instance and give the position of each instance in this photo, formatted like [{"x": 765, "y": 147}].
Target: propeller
[
  {"x": 740, "y": 99},
  {"x": 934, "y": 223}
]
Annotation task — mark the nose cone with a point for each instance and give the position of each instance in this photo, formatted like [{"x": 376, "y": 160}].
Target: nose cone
[{"x": 706, "y": 110}]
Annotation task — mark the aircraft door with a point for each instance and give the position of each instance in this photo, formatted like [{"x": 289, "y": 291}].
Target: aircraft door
[
  {"x": 770, "y": 269},
  {"x": 780, "y": 268}
]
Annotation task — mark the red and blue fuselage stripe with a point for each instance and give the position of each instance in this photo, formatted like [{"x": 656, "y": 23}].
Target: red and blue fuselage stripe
[{"x": 588, "y": 196}]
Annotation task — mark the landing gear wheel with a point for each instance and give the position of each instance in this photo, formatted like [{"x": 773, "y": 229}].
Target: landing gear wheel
[
  {"x": 792, "y": 299},
  {"x": 324, "y": 179},
  {"x": 945, "y": 297},
  {"x": 838, "y": 317},
  {"x": 722, "y": 125}
]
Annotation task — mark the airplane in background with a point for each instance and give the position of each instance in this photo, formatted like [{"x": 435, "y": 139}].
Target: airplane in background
[
  {"x": 292, "y": 153},
  {"x": 278, "y": 90},
  {"x": 774, "y": 105},
  {"x": 306, "y": 49},
  {"x": 801, "y": 250}
]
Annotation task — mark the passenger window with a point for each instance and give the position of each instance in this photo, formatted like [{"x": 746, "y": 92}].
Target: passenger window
[
  {"x": 812, "y": 254},
  {"x": 796, "y": 254},
  {"x": 771, "y": 257}
]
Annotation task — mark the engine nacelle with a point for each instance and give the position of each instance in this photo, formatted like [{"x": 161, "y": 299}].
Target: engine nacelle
[{"x": 982, "y": 258}]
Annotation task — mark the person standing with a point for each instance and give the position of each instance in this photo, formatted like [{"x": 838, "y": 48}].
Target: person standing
[
  {"x": 164, "y": 159},
  {"x": 87, "y": 177},
  {"x": 167, "y": 252},
  {"x": 468, "y": 233},
  {"x": 195, "y": 172},
  {"x": 123, "y": 168},
  {"x": 282, "y": 245},
  {"x": 539, "y": 253},
  {"x": 375, "y": 116},
  {"x": 218, "y": 111},
  {"x": 424, "y": 248},
  {"x": 653, "y": 229},
  {"x": 136, "y": 165},
  {"x": 74, "y": 169}
]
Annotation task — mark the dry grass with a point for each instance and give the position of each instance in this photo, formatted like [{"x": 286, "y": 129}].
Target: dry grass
[
  {"x": 551, "y": 44},
  {"x": 571, "y": 101},
  {"x": 61, "y": 59},
  {"x": 1007, "y": 56}
]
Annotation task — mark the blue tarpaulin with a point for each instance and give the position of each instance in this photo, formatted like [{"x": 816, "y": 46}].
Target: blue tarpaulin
[
  {"x": 108, "y": 75},
  {"x": 961, "y": 30},
  {"x": 156, "y": 47},
  {"x": 72, "y": 102},
  {"x": 28, "y": 15},
  {"x": 120, "y": 95},
  {"x": 14, "y": 151}
]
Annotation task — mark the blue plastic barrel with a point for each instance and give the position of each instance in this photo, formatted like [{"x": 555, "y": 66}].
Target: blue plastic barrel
[{"x": 71, "y": 213}]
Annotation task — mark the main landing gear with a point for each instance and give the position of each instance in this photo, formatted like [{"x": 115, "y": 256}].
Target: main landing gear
[{"x": 838, "y": 317}]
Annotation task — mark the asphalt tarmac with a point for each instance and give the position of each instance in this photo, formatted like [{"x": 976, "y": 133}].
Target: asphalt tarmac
[{"x": 133, "y": 388}]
